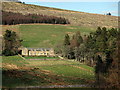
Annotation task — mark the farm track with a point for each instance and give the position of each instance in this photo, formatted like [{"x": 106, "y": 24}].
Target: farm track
[
  {"x": 71, "y": 65},
  {"x": 81, "y": 68}
]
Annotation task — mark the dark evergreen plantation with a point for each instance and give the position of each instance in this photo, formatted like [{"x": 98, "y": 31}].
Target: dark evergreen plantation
[
  {"x": 87, "y": 47},
  {"x": 100, "y": 50},
  {"x": 10, "y": 18}
]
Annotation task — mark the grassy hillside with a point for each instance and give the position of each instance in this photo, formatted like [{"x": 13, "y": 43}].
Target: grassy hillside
[
  {"x": 44, "y": 35},
  {"x": 48, "y": 35},
  {"x": 75, "y": 18},
  {"x": 20, "y": 73}
]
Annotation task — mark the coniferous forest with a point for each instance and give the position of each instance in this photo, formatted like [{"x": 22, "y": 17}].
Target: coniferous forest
[
  {"x": 10, "y": 18},
  {"x": 99, "y": 49}
]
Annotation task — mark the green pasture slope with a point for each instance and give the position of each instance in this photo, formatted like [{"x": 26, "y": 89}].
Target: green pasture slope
[
  {"x": 44, "y": 72},
  {"x": 48, "y": 35},
  {"x": 19, "y": 72},
  {"x": 42, "y": 58}
]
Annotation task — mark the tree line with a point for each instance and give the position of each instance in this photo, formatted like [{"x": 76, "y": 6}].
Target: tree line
[
  {"x": 10, "y": 18},
  {"x": 99, "y": 49}
]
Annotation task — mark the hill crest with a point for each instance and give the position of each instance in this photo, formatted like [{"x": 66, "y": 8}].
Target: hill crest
[
  {"x": 76, "y": 18},
  {"x": 10, "y": 0}
]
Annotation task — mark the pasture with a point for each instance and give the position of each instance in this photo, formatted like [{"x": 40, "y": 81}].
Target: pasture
[
  {"x": 41, "y": 57},
  {"x": 44, "y": 35},
  {"x": 48, "y": 35},
  {"x": 18, "y": 72}
]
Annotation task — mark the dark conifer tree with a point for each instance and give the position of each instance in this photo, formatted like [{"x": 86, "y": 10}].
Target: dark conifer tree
[
  {"x": 11, "y": 43},
  {"x": 109, "y": 60},
  {"x": 98, "y": 67},
  {"x": 67, "y": 40}
]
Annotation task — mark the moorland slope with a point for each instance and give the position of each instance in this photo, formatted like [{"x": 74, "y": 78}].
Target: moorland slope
[{"x": 75, "y": 17}]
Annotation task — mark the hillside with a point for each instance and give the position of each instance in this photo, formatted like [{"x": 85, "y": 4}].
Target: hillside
[
  {"x": 75, "y": 17},
  {"x": 10, "y": 0},
  {"x": 45, "y": 35},
  {"x": 17, "y": 72}
]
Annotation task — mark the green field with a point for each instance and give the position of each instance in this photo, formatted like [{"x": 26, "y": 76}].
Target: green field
[
  {"x": 15, "y": 60},
  {"x": 44, "y": 35},
  {"x": 48, "y": 35},
  {"x": 41, "y": 57},
  {"x": 19, "y": 72}
]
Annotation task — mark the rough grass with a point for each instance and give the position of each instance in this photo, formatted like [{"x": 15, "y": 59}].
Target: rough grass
[
  {"x": 14, "y": 28},
  {"x": 41, "y": 72},
  {"x": 68, "y": 71},
  {"x": 15, "y": 60},
  {"x": 50, "y": 62},
  {"x": 86, "y": 67},
  {"x": 75, "y": 18},
  {"x": 48, "y": 35}
]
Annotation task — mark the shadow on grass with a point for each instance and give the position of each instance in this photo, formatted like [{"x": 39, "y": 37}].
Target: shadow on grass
[
  {"x": 13, "y": 78},
  {"x": 36, "y": 77}
]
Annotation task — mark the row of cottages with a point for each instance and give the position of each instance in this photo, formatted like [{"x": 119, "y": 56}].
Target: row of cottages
[{"x": 38, "y": 52}]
